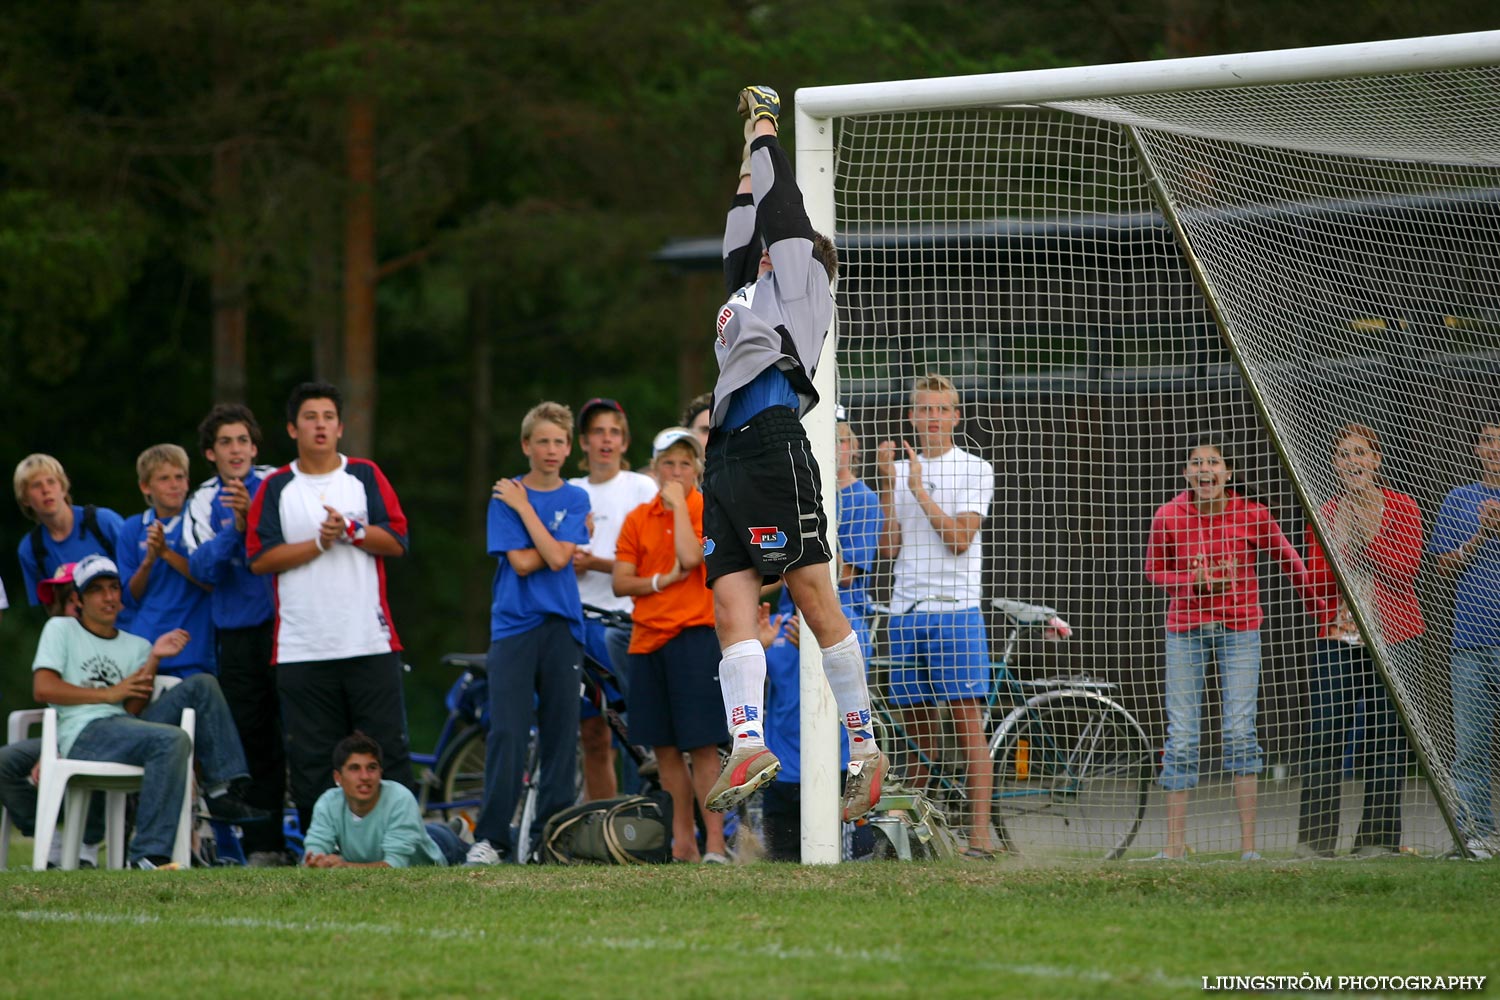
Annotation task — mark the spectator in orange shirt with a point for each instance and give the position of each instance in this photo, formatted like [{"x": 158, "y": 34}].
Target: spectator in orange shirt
[{"x": 675, "y": 704}]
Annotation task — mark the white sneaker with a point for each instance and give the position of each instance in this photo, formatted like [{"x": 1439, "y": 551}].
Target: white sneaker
[
  {"x": 1478, "y": 849},
  {"x": 462, "y": 827},
  {"x": 481, "y": 853}
]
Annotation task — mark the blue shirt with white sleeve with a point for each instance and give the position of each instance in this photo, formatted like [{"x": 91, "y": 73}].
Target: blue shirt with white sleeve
[{"x": 216, "y": 556}]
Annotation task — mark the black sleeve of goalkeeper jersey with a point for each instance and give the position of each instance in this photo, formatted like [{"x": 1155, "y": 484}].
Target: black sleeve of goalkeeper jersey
[
  {"x": 779, "y": 212},
  {"x": 741, "y": 245}
]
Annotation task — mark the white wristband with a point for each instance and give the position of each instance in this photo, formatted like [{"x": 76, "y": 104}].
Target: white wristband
[
  {"x": 318, "y": 541},
  {"x": 656, "y": 583}
]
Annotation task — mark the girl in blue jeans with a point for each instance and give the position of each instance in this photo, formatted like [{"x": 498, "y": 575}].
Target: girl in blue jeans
[{"x": 1202, "y": 551}]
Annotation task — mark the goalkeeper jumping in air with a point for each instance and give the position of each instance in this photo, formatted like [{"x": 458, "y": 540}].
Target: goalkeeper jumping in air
[{"x": 763, "y": 513}]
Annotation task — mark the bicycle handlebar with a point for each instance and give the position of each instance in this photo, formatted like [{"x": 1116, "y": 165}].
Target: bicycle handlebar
[
  {"x": 1021, "y": 614},
  {"x": 1019, "y": 611},
  {"x": 476, "y": 661},
  {"x": 610, "y": 619}
]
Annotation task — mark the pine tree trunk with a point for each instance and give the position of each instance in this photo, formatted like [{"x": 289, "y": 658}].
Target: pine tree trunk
[
  {"x": 359, "y": 278},
  {"x": 228, "y": 284}
]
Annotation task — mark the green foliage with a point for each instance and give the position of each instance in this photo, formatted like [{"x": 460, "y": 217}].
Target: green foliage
[{"x": 61, "y": 268}]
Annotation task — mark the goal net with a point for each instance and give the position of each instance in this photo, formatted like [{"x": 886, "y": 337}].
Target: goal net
[{"x": 1224, "y": 337}]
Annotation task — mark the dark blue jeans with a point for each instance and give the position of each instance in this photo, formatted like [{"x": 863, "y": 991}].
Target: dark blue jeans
[
  {"x": 153, "y": 740},
  {"x": 19, "y": 795},
  {"x": 532, "y": 676},
  {"x": 1341, "y": 676},
  {"x": 454, "y": 850}
]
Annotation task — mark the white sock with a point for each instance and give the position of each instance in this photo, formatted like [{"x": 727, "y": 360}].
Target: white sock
[
  {"x": 844, "y": 666},
  {"x": 742, "y": 682}
]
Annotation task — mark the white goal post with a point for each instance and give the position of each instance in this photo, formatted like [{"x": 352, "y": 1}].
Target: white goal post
[{"x": 1280, "y": 250}]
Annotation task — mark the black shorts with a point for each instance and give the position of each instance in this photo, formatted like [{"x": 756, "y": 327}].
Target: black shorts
[
  {"x": 762, "y": 499},
  {"x": 674, "y": 693}
]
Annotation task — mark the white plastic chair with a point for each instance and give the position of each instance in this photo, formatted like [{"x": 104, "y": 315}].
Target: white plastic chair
[
  {"x": 18, "y": 728},
  {"x": 67, "y": 782}
]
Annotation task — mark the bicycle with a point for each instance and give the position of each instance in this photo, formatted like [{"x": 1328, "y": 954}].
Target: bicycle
[
  {"x": 453, "y": 776},
  {"x": 1072, "y": 767},
  {"x": 452, "y": 781}
]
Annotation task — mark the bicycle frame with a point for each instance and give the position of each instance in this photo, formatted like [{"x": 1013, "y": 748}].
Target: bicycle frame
[
  {"x": 1071, "y": 767},
  {"x": 1009, "y": 698}
]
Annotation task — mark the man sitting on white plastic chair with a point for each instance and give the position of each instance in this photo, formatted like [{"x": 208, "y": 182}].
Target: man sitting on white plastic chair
[
  {"x": 18, "y": 759},
  {"x": 100, "y": 681}
]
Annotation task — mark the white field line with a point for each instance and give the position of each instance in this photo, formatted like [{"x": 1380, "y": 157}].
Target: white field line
[{"x": 773, "y": 951}]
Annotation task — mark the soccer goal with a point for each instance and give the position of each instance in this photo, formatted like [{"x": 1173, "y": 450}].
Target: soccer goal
[{"x": 1188, "y": 309}]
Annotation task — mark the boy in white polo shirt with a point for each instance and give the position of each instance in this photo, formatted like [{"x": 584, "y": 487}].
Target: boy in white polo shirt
[{"x": 325, "y": 524}]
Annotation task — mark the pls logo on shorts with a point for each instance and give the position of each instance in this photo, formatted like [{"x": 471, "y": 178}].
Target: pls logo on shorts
[
  {"x": 768, "y": 538},
  {"x": 708, "y": 546}
]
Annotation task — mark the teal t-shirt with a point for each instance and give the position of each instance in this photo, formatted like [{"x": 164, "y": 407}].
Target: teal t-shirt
[
  {"x": 392, "y": 832},
  {"x": 85, "y": 660}
]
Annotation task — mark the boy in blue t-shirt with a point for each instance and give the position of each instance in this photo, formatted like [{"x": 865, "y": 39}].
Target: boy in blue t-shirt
[
  {"x": 153, "y": 559},
  {"x": 65, "y": 532},
  {"x": 1466, "y": 541},
  {"x": 536, "y": 523},
  {"x": 860, "y": 521}
]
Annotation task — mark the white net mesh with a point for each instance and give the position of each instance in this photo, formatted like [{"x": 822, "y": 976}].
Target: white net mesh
[{"x": 1347, "y": 233}]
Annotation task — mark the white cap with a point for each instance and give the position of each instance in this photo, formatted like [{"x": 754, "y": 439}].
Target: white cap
[
  {"x": 671, "y": 436},
  {"x": 91, "y": 568}
]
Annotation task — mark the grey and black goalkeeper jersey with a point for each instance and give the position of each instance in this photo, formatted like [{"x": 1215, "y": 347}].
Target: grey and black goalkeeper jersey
[{"x": 782, "y": 317}]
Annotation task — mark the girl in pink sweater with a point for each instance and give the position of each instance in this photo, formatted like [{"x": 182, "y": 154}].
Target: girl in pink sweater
[{"x": 1202, "y": 551}]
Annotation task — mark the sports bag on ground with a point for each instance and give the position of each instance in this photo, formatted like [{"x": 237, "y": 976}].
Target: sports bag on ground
[{"x": 629, "y": 830}]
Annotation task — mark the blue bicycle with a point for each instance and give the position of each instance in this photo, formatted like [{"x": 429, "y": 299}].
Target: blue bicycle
[{"x": 452, "y": 779}]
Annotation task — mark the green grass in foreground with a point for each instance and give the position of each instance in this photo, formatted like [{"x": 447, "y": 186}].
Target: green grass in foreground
[{"x": 762, "y": 931}]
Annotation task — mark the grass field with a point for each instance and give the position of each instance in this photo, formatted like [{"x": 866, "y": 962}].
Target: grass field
[{"x": 762, "y": 931}]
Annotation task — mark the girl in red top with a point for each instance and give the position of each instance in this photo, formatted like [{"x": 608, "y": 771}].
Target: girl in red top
[
  {"x": 675, "y": 704},
  {"x": 1378, "y": 533},
  {"x": 1202, "y": 551}
]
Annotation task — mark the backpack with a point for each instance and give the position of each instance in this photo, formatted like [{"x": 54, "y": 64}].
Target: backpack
[
  {"x": 628, "y": 830},
  {"x": 90, "y": 526}
]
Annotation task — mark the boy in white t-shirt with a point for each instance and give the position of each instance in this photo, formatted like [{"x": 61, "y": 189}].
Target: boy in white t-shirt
[
  {"x": 934, "y": 502},
  {"x": 325, "y": 525},
  {"x": 614, "y": 491}
]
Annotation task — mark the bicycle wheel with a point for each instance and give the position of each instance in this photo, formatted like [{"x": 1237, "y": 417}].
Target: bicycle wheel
[
  {"x": 1072, "y": 775},
  {"x": 461, "y": 772}
]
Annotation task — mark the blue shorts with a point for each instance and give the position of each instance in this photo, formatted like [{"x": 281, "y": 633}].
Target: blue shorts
[
  {"x": 674, "y": 693},
  {"x": 943, "y": 656}
]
